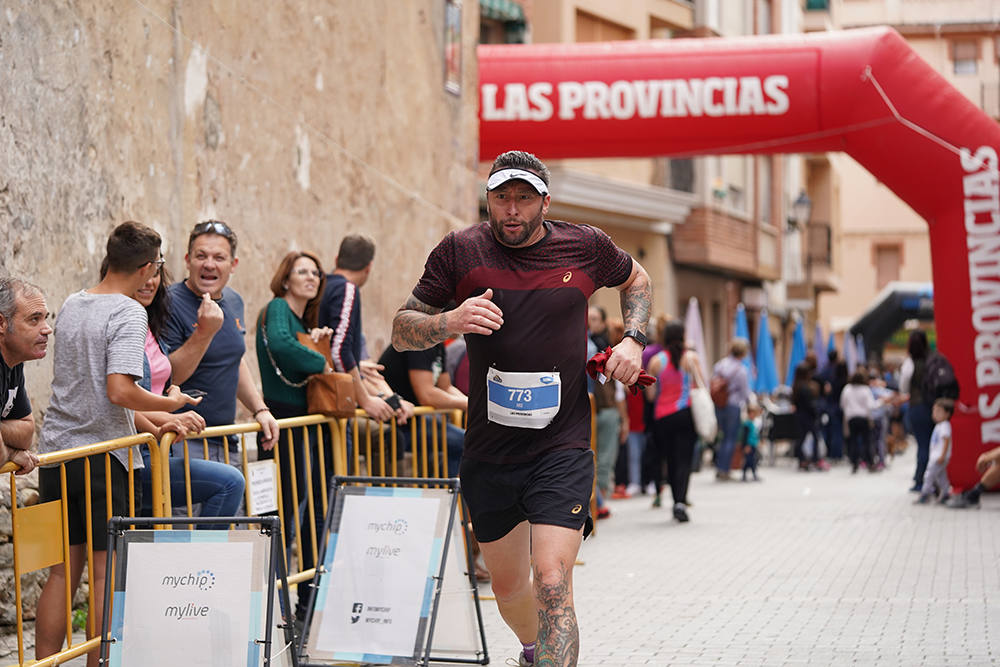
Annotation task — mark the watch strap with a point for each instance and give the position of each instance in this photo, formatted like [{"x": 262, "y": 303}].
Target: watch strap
[{"x": 637, "y": 336}]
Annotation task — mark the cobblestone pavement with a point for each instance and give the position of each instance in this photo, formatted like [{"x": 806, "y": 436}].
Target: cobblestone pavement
[
  {"x": 812, "y": 568},
  {"x": 818, "y": 568}
]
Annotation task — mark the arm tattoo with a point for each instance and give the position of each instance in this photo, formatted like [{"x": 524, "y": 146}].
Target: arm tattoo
[
  {"x": 637, "y": 301},
  {"x": 418, "y": 326},
  {"x": 558, "y": 634}
]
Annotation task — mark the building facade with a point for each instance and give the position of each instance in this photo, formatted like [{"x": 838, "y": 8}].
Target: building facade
[
  {"x": 876, "y": 237},
  {"x": 706, "y": 227}
]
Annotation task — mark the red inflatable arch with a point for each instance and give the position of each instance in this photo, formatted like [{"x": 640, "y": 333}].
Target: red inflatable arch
[{"x": 864, "y": 92}]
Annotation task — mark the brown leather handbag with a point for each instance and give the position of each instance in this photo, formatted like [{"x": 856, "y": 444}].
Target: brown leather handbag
[{"x": 331, "y": 394}]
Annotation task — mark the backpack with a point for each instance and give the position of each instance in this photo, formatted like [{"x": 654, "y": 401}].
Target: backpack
[
  {"x": 939, "y": 379},
  {"x": 718, "y": 389}
]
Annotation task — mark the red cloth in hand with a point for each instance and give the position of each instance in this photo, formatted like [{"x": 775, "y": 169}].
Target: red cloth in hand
[{"x": 597, "y": 363}]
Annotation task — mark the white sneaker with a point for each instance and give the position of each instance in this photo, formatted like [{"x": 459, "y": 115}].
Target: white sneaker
[
  {"x": 632, "y": 489},
  {"x": 520, "y": 662}
]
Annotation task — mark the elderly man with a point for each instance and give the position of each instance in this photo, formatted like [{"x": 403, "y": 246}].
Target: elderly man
[
  {"x": 24, "y": 336},
  {"x": 204, "y": 335},
  {"x": 522, "y": 284}
]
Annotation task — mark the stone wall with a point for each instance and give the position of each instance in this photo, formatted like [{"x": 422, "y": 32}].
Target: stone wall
[{"x": 296, "y": 122}]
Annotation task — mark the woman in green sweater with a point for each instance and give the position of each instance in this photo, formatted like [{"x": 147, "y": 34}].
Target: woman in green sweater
[{"x": 285, "y": 366}]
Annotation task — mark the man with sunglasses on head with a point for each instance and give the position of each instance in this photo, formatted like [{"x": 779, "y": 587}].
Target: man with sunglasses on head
[
  {"x": 204, "y": 336},
  {"x": 522, "y": 283}
]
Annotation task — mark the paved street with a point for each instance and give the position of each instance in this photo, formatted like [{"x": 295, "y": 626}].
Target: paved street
[{"x": 801, "y": 568}]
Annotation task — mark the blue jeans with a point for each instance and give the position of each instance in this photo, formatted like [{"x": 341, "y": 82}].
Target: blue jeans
[
  {"x": 808, "y": 424},
  {"x": 859, "y": 446},
  {"x": 833, "y": 433},
  {"x": 218, "y": 487},
  {"x": 750, "y": 455},
  {"x": 636, "y": 445},
  {"x": 608, "y": 427},
  {"x": 922, "y": 426},
  {"x": 729, "y": 423}
]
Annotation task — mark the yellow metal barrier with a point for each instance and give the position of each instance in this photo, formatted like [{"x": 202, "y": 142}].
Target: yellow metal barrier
[
  {"x": 34, "y": 528},
  {"x": 374, "y": 453}
]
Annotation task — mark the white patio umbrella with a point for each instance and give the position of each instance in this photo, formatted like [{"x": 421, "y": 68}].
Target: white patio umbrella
[{"x": 694, "y": 334}]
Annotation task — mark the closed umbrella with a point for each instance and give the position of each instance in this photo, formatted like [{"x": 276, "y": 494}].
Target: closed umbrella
[
  {"x": 742, "y": 330},
  {"x": 818, "y": 348},
  {"x": 694, "y": 334},
  {"x": 767, "y": 370},
  {"x": 798, "y": 352},
  {"x": 862, "y": 355},
  {"x": 850, "y": 353}
]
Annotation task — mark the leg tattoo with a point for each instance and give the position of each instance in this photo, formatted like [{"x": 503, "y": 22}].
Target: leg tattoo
[{"x": 558, "y": 634}]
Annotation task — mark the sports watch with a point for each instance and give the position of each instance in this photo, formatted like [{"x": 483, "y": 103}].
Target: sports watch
[{"x": 638, "y": 336}]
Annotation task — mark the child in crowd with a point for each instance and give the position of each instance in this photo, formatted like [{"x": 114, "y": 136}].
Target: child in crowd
[
  {"x": 936, "y": 474},
  {"x": 858, "y": 403},
  {"x": 750, "y": 439},
  {"x": 880, "y": 417}
]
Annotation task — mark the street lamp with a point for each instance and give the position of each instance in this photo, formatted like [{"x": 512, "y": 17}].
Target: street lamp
[
  {"x": 801, "y": 208},
  {"x": 797, "y": 221}
]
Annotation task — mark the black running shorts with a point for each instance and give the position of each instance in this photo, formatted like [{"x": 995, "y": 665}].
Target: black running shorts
[
  {"x": 553, "y": 490},
  {"x": 49, "y": 488}
]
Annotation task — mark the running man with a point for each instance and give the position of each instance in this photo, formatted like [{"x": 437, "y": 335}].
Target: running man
[{"x": 522, "y": 283}]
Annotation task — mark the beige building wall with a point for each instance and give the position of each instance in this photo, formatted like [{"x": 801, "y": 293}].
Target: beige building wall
[
  {"x": 295, "y": 122},
  {"x": 853, "y": 13},
  {"x": 870, "y": 216},
  {"x": 980, "y": 87},
  {"x": 555, "y": 20}
]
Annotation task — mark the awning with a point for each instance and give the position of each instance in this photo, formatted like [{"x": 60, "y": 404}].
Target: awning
[{"x": 895, "y": 304}]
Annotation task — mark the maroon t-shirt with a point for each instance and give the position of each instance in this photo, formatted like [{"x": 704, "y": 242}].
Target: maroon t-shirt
[{"x": 543, "y": 291}]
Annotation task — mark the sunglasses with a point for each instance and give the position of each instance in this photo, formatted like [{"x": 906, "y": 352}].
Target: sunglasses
[
  {"x": 158, "y": 263},
  {"x": 213, "y": 227}
]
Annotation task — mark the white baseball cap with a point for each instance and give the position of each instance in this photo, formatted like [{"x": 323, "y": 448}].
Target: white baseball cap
[{"x": 501, "y": 176}]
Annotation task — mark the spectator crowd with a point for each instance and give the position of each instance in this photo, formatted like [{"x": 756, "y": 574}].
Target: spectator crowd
[
  {"x": 830, "y": 416},
  {"x": 139, "y": 353}
]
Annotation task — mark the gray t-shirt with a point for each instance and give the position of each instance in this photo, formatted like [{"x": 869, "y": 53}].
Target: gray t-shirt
[{"x": 95, "y": 335}]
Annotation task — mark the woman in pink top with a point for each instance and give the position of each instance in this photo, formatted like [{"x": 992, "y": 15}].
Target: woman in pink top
[
  {"x": 674, "y": 436},
  {"x": 217, "y": 487}
]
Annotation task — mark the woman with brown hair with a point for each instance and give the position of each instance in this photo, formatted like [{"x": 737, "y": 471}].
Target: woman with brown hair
[
  {"x": 285, "y": 366},
  {"x": 677, "y": 371}
]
